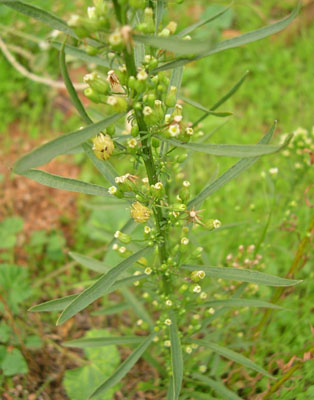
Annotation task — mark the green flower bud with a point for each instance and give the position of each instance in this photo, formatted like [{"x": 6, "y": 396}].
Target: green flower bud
[
  {"x": 164, "y": 33},
  {"x": 155, "y": 142},
  {"x": 123, "y": 237},
  {"x": 111, "y": 129},
  {"x": 137, "y": 4},
  {"x": 171, "y": 98},
  {"x": 101, "y": 8},
  {"x": 115, "y": 192},
  {"x": 155, "y": 80},
  {"x": 134, "y": 130},
  {"x": 92, "y": 95},
  {"x": 179, "y": 207},
  {"x": 119, "y": 104},
  {"x": 92, "y": 51},
  {"x": 131, "y": 82},
  {"x": 97, "y": 83},
  {"x": 157, "y": 190},
  {"x": 213, "y": 224},
  {"x": 196, "y": 276},
  {"x": 151, "y": 100}
]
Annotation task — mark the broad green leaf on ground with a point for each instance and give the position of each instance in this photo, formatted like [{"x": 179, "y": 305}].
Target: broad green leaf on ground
[
  {"x": 123, "y": 369},
  {"x": 175, "y": 44},
  {"x": 62, "y": 183},
  {"x": 137, "y": 306},
  {"x": 229, "y": 150},
  {"x": 230, "y": 174},
  {"x": 243, "y": 275},
  {"x": 63, "y": 302},
  {"x": 39, "y": 14},
  {"x": 82, "y": 55},
  {"x": 235, "y": 42},
  {"x": 9, "y": 228},
  {"x": 176, "y": 357},
  {"x": 13, "y": 363},
  {"x": 100, "y": 287},
  {"x": 79, "y": 382},
  {"x": 98, "y": 341},
  {"x": 232, "y": 355},
  {"x": 202, "y": 22},
  {"x": 241, "y": 303},
  {"x": 46, "y": 152},
  {"x": 89, "y": 262},
  {"x": 218, "y": 387}
]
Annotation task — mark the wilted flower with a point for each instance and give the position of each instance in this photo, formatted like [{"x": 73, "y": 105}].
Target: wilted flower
[{"x": 139, "y": 212}]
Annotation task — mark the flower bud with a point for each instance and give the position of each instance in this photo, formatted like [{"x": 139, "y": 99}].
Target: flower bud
[
  {"x": 119, "y": 104},
  {"x": 131, "y": 82},
  {"x": 139, "y": 212},
  {"x": 123, "y": 237},
  {"x": 137, "y": 4},
  {"x": 134, "y": 129},
  {"x": 101, "y": 8},
  {"x": 97, "y": 83},
  {"x": 213, "y": 224},
  {"x": 103, "y": 146},
  {"x": 179, "y": 207},
  {"x": 158, "y": 190},
  {"x": 196, "y": 276},
  {"x": 92, "y": 95},
  {"x": 171, "y": 98},
  {"x": 115, "y": 192}
]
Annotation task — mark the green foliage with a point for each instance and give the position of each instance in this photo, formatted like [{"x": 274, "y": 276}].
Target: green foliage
[
  {"x": 9, "y": 228},
  {"x": 12, "y": 362},
  {"x": 79, "y": 382}
]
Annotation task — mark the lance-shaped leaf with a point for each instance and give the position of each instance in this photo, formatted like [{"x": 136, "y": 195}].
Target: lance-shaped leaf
[
  {"x": 63, "y": 302},
  {"x": 217, "y": 387},
  {"x": 235, "y": 42},
  {"x": 230, "y": 150},
  {"x": 89, "y": 262},
  {"x": 39, "y": 14},
  {"x": 202, "y": 108},
  {"x": 202, "y": 22},
  {"x": 48, "y": 151},
  {"x": 176, "y": 357},
  {"x": 62, "y": 183},
  {"x": 234, "y": 302},
  {"x": 159, "y": 13},
  {"x": 174, "y": 44},
  {"x": 232, "y": 355},
  {"x": 100, "y": 287},
  {"x": 82, "y": 55},
  {"x": 124, "y": 368},
  {"x": 243, "y": 275},
  {"x": 103, "y": 341},
  {"x": 230, "y": 174}
]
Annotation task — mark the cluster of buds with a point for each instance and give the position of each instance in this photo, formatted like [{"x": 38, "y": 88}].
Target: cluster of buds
[{"x": 245, "y": 258}]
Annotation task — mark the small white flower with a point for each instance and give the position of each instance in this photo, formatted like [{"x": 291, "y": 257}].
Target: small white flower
[
  {"x": 115, "y": 38},
  {"x": 185, "y": 241},
  {"x": 115, "y": 247},
  {"x": 203, "y": 296},
  {"x": 148, "y": 271},
  {"x": 186, "y": 184},
  {"x": 167, "y": 118},
  {"x": 132, "y": 143},
  {"x": 196, "y": 317},
  {"x": 155, "y": 339},
  {"x": 168, "y": 303},
  {"x": 229, "y": 257},
  {"x": 211, "y": 310},
  {"x": 177, "y": 118},
  {"x": 122, "y": 250},
  {"x": 167, "y": 343},
  {"x": 136, "y": 273},
  {"x": 273, "y": 171},
  {"x": 145, "y": 180},
  {"x": 122, "y": 68},
  {"x": 201, "y": 274},
  {"x": 158, "y": 103},
  {"x": 197, "y": 289},
  {"x": 174, "y": 130},
  {"x": 147, "y": 58},
  {"x": 158, "y": 186},
  {"x": 147, "y": 229},
  {"x": 188, "y": 349},
  {"x": 74, "y": 20},
  {"x": 139, "y": 322},
  {"x": 91, "y": 12},
  {"x": 202, "y": 368},
  {"x": 216, "y": 223},
  {"x": 112, "y": 190},
  {"x": 147, "y": 111},
  {"x": 189, "y": 131},
  {"x": 117, "y": 234},
  {"x": 193, "y": 214},
  {"x": 43, "y": 45},
  {"x": 112, "y": 101},
  {"x": 168, "y": 322},
  {"x": 142, "y": 75}
]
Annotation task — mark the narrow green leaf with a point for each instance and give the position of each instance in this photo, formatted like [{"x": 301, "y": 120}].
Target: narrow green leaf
[
  {"x": 48, "y": 151},
  {"x": 243, "y": 275},
  {"x": 230, "y": 174},
  {"x": 59, "y": 182},
  {"x": 174, "y": 44},
  {"x": 232, "y": 355},
  {"x": 230, "y": 150},
  {"x": 202, "y": 108},
  {"x": 202, "y": 22},
  {"x": 39, "y": 14},
  {"x": 137, "y": 306},
  {"x": 112, "y": 310},
  {"x": 218, "y": 387},
  {"x": 63, "y": 302},
  {"x": 124, "y": 368},
  {"x": 176, "y": 357},
  {"x": 235, "y": 42},
  {"x": 241, "y": 303},
  {"x": 103, "y": 341},
  {"x": 89, "y": 262},
  {"x": 82, "y": 55},
  {"x": 159, "y": 13},
  {"x": 100, "y": 287}
]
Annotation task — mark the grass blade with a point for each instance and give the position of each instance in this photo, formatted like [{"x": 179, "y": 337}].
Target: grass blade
[
  {"x": 100, "y": 287},
  {"x": 176, "y": 357},
  {"x": 103, "y": 341},
  {"x": 230, "y": 174},
  {"x": 232, "y": 355},
  {"x": 230, "y": 150},
  {"x": 217, "y": 387},
  {"x": 63, "y": 302},
  {"x": 243, "y": 275},
  {"x": 39, "y": 14},
  {"x": 59, "y": 182},
  {"x": 89, "y": 262},
  {"x": 159, "y": 13},
  {"x": 124, "y": 367},
  {"x": 235, "y": 42},
  {"x": 48, "y": 151}
]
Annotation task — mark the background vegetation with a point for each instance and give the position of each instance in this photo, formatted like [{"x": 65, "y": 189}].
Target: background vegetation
[{"x": 39, "y": 226}]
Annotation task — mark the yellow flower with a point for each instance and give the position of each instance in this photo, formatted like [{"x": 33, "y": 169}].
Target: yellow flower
[
  {"x": 103, "y": 146},
  {"x": 139, "y": 212}
]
